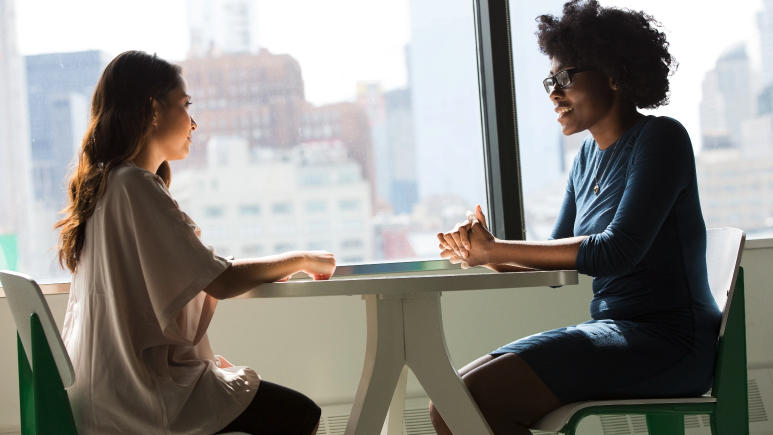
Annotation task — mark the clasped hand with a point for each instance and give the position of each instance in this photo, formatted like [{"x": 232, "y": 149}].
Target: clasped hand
[{"x": 469, "y": 242}]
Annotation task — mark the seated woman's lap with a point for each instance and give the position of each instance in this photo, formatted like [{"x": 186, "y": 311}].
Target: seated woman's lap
[
  {"x": 277, "y": 410},
  {"x": 522, "y": 381},
  {"x": 609, "y": 359}
]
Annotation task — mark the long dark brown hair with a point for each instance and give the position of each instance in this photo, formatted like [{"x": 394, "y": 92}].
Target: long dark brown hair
[{"x": 121, "y": 118}]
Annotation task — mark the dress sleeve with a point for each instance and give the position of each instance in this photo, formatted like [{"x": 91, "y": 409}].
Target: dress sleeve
[
  {"x": 175, "y": 264},
  {"x": 564, "y": 226},
  {"x": 662, "y": 166}
]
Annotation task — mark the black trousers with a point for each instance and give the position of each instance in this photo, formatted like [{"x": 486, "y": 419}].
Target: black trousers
[{"x": 277, "y": 410}]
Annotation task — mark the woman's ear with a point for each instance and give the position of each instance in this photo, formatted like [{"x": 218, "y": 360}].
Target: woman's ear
[
  {"x": 156, "y": 108},
  {"x": 612, "y": 84}
]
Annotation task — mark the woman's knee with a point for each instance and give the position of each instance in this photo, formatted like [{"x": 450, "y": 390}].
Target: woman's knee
[{"x": 508, "y": 390}]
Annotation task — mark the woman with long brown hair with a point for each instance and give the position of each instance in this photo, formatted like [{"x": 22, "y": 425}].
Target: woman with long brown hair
[{"x": 144, "y": 285}]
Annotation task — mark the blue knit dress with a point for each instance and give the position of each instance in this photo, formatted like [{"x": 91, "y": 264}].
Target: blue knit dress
[{"x": 655, "y": 323}]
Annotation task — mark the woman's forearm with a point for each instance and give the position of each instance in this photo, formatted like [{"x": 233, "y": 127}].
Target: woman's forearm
[
  {"x": 558, "y": 254},
  {"x": 244, "y": 275},
  {"x": 507, "y": 268}
]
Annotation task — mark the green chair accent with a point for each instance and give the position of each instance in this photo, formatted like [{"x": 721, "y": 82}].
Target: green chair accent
[
  {"x": 728, "y": 403},
  {"x": 45, "y": 368}
]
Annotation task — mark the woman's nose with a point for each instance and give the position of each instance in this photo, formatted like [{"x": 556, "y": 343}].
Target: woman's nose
[{"x": 194, "y": 126}]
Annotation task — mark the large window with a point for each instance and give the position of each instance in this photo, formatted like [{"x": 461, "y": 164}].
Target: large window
[
  {"x": 363, "y": 127},
  {"x": 722, "y": 93},
  {"x": 349, "y": 126}
]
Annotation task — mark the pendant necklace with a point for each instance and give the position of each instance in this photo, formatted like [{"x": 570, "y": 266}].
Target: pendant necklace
[{"x": 596, "y": 188}]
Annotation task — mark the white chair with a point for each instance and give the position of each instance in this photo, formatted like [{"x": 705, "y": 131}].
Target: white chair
[
  {"x": 727, "y": 404},
  {"x": 45, "y": 369}
]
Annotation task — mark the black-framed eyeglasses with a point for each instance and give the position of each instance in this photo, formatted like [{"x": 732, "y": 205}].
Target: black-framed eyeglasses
[{"x": 561, "y": 79}]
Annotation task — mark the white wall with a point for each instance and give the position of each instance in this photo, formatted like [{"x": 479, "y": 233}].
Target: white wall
[{"x": 317, "y": 345}]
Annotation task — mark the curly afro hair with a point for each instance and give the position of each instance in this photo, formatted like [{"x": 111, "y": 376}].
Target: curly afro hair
[{"x": 624, "y": 44}]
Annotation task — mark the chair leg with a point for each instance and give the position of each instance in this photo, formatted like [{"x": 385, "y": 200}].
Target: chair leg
[
  {"x": 53, "y": 414},
  {"x": 26, "y": 392},
  {"x": 729, "y": 423},
  {"x": 663, "y": 424}
]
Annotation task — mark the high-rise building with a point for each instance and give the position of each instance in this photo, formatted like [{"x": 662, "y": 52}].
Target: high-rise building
[
  {"x": 59, "y": 89},
  {"x": 390, "y": 118},
  {"x": 260, "y": 98},
  {"x": 765, "y": 27},
  {"x": 404, "y": 192},
  {"x": 736, "y": 191},
  {"x": 257, "y": 97},
  {"x": 346, "y": 123},
  {"x": 222, "y": 27},
  {"x": 254, "y": 202},
  {"x": 15, "y": 155},
  {"x": 727, "y": 100},
  {"x": 371, "y": 99}
]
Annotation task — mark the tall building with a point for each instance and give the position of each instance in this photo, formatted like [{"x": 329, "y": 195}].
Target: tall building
[
  {"x": 727, "y": 100},
  {"x": 404, "y": 191},
  {"x": 260, "y": 98},
  {"x": 222, "y": 27},
  {"x": 348, "y": 124},
  {"x": 15, "y": 155},
  {"x": 735, "y": 191},
  {"x": 59, "y": 89},
  {"x": 261, "y": 201},
  {"x": 371, "y": 99},
  {"x": 765, "y": 27},
  {"x": 257, "y": 97}
]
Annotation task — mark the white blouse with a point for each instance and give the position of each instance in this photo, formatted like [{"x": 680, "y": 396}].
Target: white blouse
[{"x": 137, "y": 318}]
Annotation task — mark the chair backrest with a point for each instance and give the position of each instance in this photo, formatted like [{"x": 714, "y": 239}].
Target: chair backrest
[
  {"x": 25, "y": 297},
  {"x": 724, "y": 248}
]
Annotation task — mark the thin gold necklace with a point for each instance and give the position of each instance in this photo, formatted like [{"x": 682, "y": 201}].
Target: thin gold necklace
[{"x": 597, "y": 188}]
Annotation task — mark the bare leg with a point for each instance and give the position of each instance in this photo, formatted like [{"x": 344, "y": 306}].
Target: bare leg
[{"x": 508, "y": 392}]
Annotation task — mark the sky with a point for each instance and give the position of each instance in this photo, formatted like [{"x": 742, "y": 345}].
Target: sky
[{"x": 340, "y": 42}]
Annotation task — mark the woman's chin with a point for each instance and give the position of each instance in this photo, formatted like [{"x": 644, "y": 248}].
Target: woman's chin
[
  {"x": 568, "y": 129},
  {"x": 184, "y": 153}
]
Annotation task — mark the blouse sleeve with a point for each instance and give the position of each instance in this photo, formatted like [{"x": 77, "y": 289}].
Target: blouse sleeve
[
  {"x": 174, "y": 263},
  {"x": 661, "y": 168}
]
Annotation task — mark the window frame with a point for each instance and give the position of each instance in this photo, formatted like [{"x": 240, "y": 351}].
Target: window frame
[{"x": 499, "y": 119}]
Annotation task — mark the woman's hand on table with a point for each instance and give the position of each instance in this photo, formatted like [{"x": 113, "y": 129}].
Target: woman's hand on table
[
  {"x": 319, "y": 265},
  {"x": 469, "y": 242}
]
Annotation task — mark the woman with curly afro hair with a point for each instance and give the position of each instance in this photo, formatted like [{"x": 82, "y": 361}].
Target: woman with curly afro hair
[{"x": 631, "y": 218}]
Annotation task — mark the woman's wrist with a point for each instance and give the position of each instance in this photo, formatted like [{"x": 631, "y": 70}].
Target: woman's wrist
[
  {"x": 491, "y": 252},
  {"x": 302, "y": 260}
]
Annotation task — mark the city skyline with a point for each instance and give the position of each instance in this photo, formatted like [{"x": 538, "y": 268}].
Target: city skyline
[
  {"x": 381, "y": 53},
  {"x": 413, "y": 132},
  {"x": 250, "y": 94}
]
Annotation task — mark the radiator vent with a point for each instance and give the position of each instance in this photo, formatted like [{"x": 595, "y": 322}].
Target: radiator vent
[
  {"x": 638, "y": 423},
  {"x": 756, "y": 407},
  {"x": 696, "y": 421},
  {"x": 333, "y": 424},
  {"x": 417, "y": 422},
  {"x": 615, "y": 424}
]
